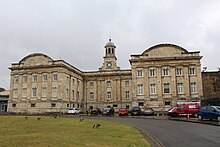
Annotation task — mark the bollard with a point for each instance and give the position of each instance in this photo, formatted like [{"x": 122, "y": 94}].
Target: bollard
[{"x": 188, "y": 118}]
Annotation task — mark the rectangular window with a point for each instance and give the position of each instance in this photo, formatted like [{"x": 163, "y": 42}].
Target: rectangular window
[
  {"x": 44, "y": 92},
  {"x": 44, "y": 77},
  {"x": 109, "y": 84},
  {"x": 91, "y": 84},
  {"x": 166, "y": 88},
  {"x": 109, "y": 95},
  {"x": 67, "y": 93},
  {"x": 180, "y": 88},
  {"x": 32, "y": 105},
  {"x": 91, "y": 96},
  {"x": 152, "y": 88},
  {"x": 34, "y": 92},
  {"x": 15, "y": 92},
  {"x": 179, "y": 71},
  {"x": 115, "y": 105},
  {"x": 193, "y": 87},
  {"x": 141, "y": 104},
  {"x": 72, "y": 93},
  {"x": 77, "y": 94},
  {"x": 16, "y": 79},
  {"x": 24, "y": 92},
  {"x": 139, "y": 73},
  {"x": 126, "y": 83},
  {"x": 127, "y": 94},
  {"x": 55, "y": 77},
  {"x": 140, "y": 89},
  {"x": 167, "y": 103},
  {"x": 13, "y": 105},
  {"x": 165, "y": 72},
  {"x": 54, "y": 91},
  {"x": 192, "y": 71},
  {"x": 53, "y": 105},
  {"x": 152, "y": 73},
  {"x": 25, "y": 78},
  {"x": 34, "y": 78}
]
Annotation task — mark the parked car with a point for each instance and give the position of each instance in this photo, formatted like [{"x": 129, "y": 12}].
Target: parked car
[
  {"x": 108, "y": 111},
  {"x": 148, "y": 111},
  {"x": 96, "y": 111},
  {"x": 123, "y": 111},
  {"x": 73, "y": 111},
  {"x": 184, "y": 110},
  {"x": 136, "y": 110},
  {"x": 209, "y": 112}
]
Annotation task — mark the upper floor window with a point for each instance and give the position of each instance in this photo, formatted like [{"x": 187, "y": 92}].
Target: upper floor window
[
  {"x": 179, "y": 71},
  {"x": 16, "y": 79},
  {"x": 54, "y": 91},
  {"x": 139, "y": 73},
  {"x": 109, "y": 84},
  {"x": 192, "y": 71},
  {"x": 127, "y": 94},
  {"x": 193, "y": 87},
  {"x": 67, "y": 93},
  {"x": 152, "y": 72},
  {"x": 91, "y": 96},
  {"x": 44, "y": 91},
  {"x": 152, "y": 88},
  {"x": 109, "y": 95},
  {"x": 73, "y": 93},
  {"x": 91, "y": 84},
  {"x": 44, "y": 77},
  {"x": 24, "y": 92},
  {"x": 126, "y": 83},
  {"x": 140, "y": 90},
  {"x": 34, "y": 78},
  {"x": 166, "y": 88},
  {"x": 34, "y": 92},
  {"x": 165, "y": 72},
  {"x": 15, "y": 92},
  {"x": 180, "y": 88},
  {"x": 25, "y": 78},
  {"x": 55, "y": 77}
]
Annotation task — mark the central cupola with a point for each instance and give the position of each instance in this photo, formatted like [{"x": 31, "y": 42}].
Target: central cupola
[{"x": 109, "y": 58}]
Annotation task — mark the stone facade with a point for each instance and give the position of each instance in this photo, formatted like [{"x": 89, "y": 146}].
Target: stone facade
[
  {"x": 160, "y": 77},
  {"x": 211, "y": 84}
]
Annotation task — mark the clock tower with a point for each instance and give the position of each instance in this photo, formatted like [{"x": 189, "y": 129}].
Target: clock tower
[{"x": 109, "y": 58}]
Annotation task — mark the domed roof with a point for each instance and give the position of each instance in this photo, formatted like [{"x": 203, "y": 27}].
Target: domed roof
[{"x": 110, "y": 44}]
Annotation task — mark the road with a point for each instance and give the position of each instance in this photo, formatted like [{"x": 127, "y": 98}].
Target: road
[{"x": 170, "y": 133}]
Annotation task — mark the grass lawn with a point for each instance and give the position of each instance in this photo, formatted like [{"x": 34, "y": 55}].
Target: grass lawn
[{"x": 18, "y": 131}]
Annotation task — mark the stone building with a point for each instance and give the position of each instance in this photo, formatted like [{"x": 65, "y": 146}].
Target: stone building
[
  {"x": 160, "y": 77},
  {"x": 211, "y": 84}
]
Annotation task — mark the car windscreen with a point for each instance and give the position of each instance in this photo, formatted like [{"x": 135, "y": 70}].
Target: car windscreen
[{"x": 218, "y": 108}]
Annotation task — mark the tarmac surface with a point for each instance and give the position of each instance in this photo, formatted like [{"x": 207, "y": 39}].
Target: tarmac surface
[{"x": 164, "y": 131}]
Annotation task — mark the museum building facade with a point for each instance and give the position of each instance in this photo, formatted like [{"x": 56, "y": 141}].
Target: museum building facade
[{"x": 162, "y": 76}]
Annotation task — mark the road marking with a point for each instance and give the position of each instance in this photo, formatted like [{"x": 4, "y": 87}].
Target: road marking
[{"x": 154, "y": 141}]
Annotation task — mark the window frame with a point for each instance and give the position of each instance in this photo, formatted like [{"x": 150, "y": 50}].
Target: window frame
[{"x": 168, "y": 89}]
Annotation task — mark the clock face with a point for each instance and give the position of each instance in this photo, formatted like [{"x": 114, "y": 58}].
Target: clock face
[{"x": 109, "y": 64}]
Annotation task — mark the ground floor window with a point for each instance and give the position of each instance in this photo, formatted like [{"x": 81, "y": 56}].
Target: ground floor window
[
  {"x": 32, "y": 105},
  {"x": 167, "y": 103},
  {"x": 53, "y": 105},
  {"x": 141, "y": 104},
  {"x": 115, "y": 105}
]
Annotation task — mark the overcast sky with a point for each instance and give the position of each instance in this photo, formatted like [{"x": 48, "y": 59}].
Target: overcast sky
[{"x": 77, "y": 30}]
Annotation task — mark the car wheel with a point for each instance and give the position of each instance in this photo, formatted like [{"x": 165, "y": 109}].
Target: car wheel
[
  {"x": 218, "y": 118},
  {"x": 200, "y": 117},
  {"x": 174, "y": 115},
  {"x": 195, "y": 115}
]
